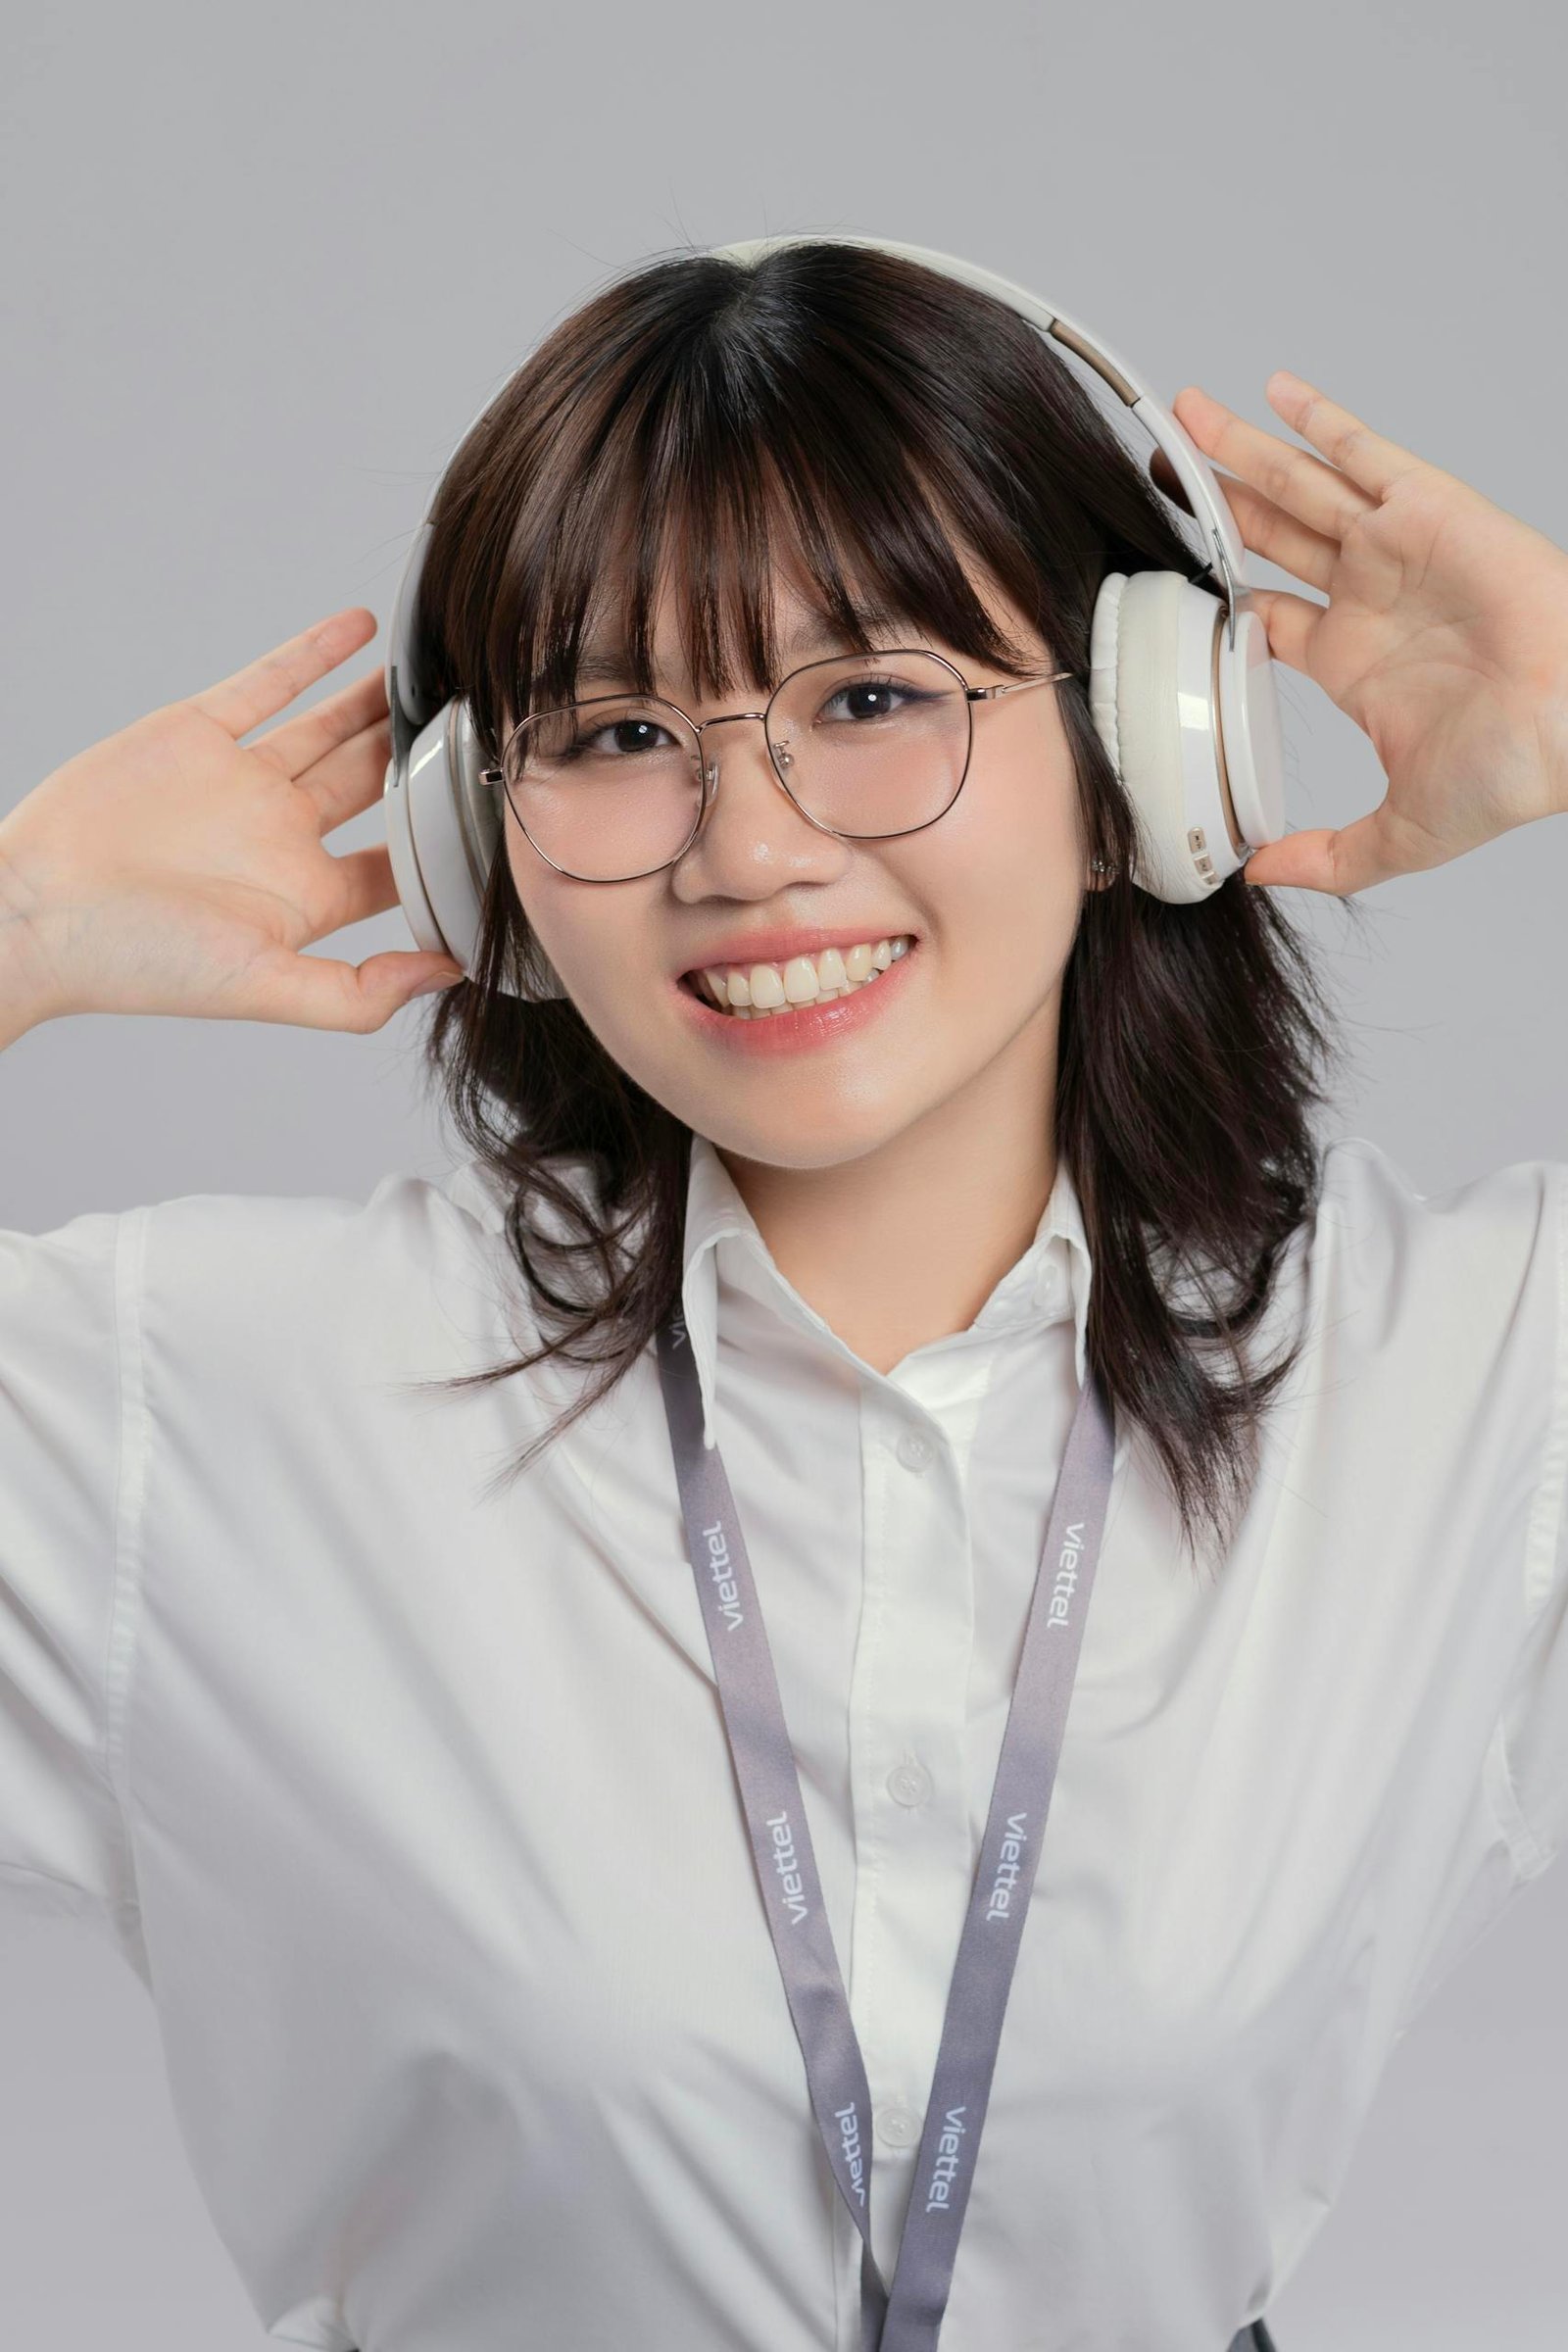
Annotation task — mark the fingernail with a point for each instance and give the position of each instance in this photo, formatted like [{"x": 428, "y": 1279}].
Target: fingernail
[{"x": 436, "y": 980}]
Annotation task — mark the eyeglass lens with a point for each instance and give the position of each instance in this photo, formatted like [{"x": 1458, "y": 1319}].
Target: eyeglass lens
[{"x": 868, "y": 745}]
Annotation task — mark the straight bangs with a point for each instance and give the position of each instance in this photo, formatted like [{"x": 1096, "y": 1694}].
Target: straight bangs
[{"x": 712, "y": 502}]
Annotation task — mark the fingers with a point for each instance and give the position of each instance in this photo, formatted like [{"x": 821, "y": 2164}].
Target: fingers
[
  {"x": 1306, "y": 861},
  {"x": 296, "y": 744},
  {"x": 1340, "y": 861},
  {"x": 1301, "y": 484},
  {"x": 1269, "y": 531},
  {"x": 351, "y": 776},
  {"x": 365, "y": 885},
  {"x": 1264, "y": 528},
  {"x": 1373, "y": 464},
  {"x": 1289, "y": 623},
  {"x": 319, "y": 992},
  {"x": 274, "y": 681}
]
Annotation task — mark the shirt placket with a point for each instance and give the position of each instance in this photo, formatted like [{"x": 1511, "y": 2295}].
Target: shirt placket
[{"x": 913, "y": 1847}]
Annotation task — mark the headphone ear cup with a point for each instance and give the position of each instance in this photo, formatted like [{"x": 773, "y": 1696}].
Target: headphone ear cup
[
  {"x": 483, "y": 808},
  {"x": 1152, "y": 696},
  {"x": 444, "y": 833}
]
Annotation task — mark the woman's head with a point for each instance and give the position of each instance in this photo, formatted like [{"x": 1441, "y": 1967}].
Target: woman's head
[
  {"x": 713, "y": 470},
  {"x": 986, "y": 893}
]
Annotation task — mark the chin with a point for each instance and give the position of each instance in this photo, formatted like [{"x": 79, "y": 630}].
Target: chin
[{"x": 824, "y": 1133}]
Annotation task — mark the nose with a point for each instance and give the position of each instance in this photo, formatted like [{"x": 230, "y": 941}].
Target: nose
[
  {"x": 754, "y": 841},
  {"x": 754, "y": 825}
]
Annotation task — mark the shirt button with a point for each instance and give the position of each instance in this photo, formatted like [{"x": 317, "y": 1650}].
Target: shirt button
[
  {"x": 910, "y": 1783},
  {"x": 914, "y": 1449},
  {"x": 897, "y": 2126}
]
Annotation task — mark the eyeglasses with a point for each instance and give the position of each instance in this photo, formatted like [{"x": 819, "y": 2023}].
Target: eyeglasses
[{"x": 867, "y": 745}]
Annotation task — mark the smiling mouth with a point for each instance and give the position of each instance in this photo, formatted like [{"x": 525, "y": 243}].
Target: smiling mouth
[{"x": 765, "y": 991}]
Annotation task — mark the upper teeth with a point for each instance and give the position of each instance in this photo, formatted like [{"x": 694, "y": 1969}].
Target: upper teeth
[{"x": 762, "y": 986}]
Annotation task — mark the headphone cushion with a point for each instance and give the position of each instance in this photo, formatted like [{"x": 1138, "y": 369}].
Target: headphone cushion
[
  {"x": 1135, "y": 689},
  {"x": 1103, "y": 637}
]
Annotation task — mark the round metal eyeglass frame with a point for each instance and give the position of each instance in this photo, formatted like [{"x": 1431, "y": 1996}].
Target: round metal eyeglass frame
[{"x": 709, "y": 768}]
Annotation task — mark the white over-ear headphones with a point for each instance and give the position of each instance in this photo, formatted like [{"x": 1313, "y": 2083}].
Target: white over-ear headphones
[{"x": 1182, "y": 694}]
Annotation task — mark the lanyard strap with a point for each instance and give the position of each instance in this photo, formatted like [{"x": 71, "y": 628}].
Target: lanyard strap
[{"x": 909, "y": 2317}]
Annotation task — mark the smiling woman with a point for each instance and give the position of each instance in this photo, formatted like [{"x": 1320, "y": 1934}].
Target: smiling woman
[
  {"x": 707, "y": 477},
  {"x": 968, "y": 1161}
]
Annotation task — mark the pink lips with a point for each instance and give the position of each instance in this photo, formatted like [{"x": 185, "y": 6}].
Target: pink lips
[{"x": 806, "y": 1024}]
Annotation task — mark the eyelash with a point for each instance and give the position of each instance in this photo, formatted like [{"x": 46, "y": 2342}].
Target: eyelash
[{"x": 913, "y": 695}]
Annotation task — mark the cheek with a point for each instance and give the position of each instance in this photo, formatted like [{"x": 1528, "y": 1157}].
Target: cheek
[
  {"x": 576, "y": 921},
  {"x": 602, "y": 940},
  {"x": 1011, "y": 860}
]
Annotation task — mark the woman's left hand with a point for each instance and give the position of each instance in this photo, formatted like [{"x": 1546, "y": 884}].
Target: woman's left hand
[{"x": 1445, "y": 636}]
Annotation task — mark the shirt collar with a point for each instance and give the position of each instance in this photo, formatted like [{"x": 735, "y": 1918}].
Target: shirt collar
[{"x": 1048, "y": 1281}]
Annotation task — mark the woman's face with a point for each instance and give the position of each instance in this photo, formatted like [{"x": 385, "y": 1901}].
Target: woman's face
[{"x": 989, "y": 896}]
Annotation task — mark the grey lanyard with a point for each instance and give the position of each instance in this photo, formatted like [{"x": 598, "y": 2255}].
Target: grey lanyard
[{"x": 909, "y": 2317}]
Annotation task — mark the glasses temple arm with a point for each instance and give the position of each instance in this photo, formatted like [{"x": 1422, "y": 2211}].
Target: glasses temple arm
[{"x": 989, "y": 693}]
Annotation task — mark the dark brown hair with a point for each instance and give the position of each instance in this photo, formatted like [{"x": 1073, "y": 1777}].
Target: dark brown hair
[{"x": 863, "y": 419}]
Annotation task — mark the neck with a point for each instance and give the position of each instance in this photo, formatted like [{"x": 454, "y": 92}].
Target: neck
[{"x": 905, "y": 1243}]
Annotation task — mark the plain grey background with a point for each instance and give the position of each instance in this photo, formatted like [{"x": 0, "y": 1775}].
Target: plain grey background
[{"x": 262, "y": 268}]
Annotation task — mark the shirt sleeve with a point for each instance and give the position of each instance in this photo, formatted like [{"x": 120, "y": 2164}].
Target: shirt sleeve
[
  {"x": 63, "y": 1311},
  {"x": 1534, "y": 1731}
]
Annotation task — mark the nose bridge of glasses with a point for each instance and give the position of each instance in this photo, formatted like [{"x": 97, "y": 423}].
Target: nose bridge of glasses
[{"x": 724, "y": 718}]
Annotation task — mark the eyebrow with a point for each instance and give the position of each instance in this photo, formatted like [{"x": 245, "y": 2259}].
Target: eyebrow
[{"x": 601, "y": 666}]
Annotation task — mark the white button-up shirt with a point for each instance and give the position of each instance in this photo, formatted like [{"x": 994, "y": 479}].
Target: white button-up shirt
[{"x": 405, "y": 1791}]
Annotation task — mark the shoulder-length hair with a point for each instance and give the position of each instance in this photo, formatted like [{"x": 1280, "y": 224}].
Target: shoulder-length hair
[{"x": 868, "y": 420}]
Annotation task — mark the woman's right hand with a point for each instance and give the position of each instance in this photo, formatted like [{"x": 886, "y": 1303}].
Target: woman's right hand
[{"x": 170, "y": 869}]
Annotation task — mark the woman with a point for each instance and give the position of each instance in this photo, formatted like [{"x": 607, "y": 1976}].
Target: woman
[{"x": 406, "y": 1781}]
